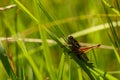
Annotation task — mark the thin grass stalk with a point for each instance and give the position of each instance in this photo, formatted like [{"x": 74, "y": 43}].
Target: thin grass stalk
[
  {"x": 50, "y": 18},
  {"x": 115, "y": 41},
  {"x": 61, "y": 67},
  {"x": 25, "y": 52},
  {"x": 110, "y": 6},
  {"x": 5, "y": 61}
]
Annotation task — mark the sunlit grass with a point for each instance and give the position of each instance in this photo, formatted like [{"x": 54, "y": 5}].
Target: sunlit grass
[{"x": 38, "y": 39}]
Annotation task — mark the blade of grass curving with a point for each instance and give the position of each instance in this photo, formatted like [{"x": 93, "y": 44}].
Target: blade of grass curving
[
  {"x": 5, "y": 61},
  {"x": 93, "y": 29},
  {"x": 68, "y": 20}
]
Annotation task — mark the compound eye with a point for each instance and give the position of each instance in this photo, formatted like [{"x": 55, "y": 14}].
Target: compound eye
[{"x": 70, "y": 37}]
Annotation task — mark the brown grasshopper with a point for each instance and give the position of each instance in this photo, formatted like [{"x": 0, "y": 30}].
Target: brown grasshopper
[{"x": 78, "y": 49}]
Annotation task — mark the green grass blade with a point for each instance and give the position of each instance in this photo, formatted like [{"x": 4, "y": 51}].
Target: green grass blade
[
  {"x": 117, "y": 54},
  {"x": 114, "y": 36},
  {"x": 50, "y": 18},
  {"x": 83, "y": 66},
  {"x": 80, "y": 74},
  {"x": 93, "y": 29},
  {"x": 27, "y": 11},
  {"x": 47, "y": 54},
  {"x": 108, "y": 76},
  {"x": 110, "y": 6},
  {"x": 30, "y": 60},
  {"x": 114, "y": 48},
  {"x": 5, "y": 61},
  {"x": 61, "y": 66},
  {"x": 25, "y": 52},
  {"x": 53, "y": 36}
]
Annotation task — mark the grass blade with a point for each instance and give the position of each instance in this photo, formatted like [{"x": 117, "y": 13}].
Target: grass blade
[
  {"x": 5, "y": 61},
  {"x": 47, "y": 55},
  {"x": 110, "y": 6},
  {"x": 61, "y": 66}
]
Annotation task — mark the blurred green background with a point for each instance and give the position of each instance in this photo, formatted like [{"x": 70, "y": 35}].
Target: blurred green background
[{"x": 34, "y": 59}]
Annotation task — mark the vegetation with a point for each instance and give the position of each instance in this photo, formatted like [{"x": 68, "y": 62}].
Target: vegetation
[{"x": 34, "y": 39}]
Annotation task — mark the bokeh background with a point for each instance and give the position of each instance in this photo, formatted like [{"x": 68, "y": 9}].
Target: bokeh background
[{"x": 34, "y": 59}]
